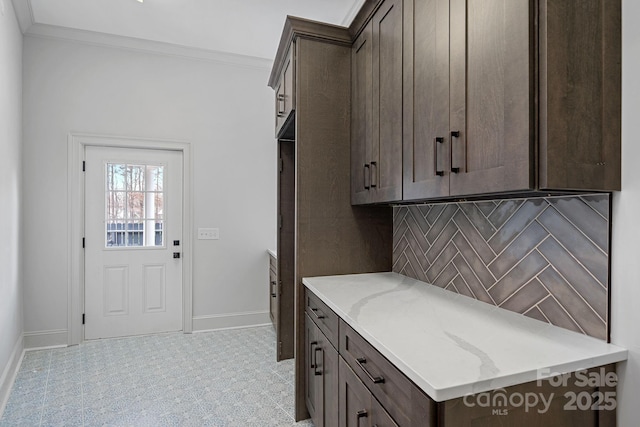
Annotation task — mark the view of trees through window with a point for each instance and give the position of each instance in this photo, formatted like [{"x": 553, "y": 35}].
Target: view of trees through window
[{"x": 134, "y": 205}]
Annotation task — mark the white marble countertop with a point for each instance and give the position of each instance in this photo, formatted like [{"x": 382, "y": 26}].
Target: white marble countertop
[
  {"x": 451, "y": 345},
  {"x": 272, "y": 253}
]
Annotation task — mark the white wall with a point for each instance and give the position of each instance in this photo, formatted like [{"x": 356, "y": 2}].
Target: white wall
[
  {"x": 10, "y": 182},
  {"x": 625, "y": 250},
  {"x": 225, "y": 111}
]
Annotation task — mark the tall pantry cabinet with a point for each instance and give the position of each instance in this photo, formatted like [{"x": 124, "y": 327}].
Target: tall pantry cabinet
[{"x": 319, "y": 232}]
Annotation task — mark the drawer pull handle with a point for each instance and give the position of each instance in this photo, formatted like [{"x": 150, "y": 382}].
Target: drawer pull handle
[
  {"x": 454, "y": 134},
  {"x": 362, "y": 413},
  {"x": 281, "y": 100},
  {"x": 318, "y": 316},
  {"x": 315, "y": 368},
  {"x": 376, "y": 380},
  {"x": 367, "y": 173},
  {"x": 374, "y": 174},
  {"x": 438, "y": 140}
]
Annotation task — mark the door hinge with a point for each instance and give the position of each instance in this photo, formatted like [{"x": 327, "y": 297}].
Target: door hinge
[
  {"x": 279, "y": 348},
  {"x": 84, "y": 166},
  {"x": 281, "y": 167},
  {"x": 83, "y": 243},
  {"x": 279, "y": 221},
  {"x": 83, "y": 318}
]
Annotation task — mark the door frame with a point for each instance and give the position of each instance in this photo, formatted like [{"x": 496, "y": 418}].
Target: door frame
[{"x": 76, "y": 144}]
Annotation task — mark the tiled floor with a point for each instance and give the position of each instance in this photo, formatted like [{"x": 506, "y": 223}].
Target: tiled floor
[{"x": 222, "y": 378}]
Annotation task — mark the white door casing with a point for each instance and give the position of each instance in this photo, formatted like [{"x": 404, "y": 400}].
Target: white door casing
[{"x": 133, "y": 220}]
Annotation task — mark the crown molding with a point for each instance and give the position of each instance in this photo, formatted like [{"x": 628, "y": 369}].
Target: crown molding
[
  {"x": 24, "y": 14},
  {"x": 141, "y": 45},
  {"x": 353, "y": 11}
]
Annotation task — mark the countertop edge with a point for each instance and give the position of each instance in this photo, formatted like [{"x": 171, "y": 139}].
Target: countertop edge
[{"x": 461, "y": 390}]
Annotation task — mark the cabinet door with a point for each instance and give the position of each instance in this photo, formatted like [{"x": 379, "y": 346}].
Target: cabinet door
[
  {"x": 321, "y": 374},
  {"x": 285, "y": 91},
  {"x": 355, "y": 399},
  {"x": 491, "y": 99},
  {"x": 381, "y": 418},
  {"x": 312, "y": 388},
  {"x": 279, "y": 106},
  {"x": 285, "y": 295},
  {"x": 386, "y": 153},
  {"x": 273, "y": 295},
  {"x": 327, "y": 364},
  {"x": 426, "y": 142},
  {"x": 361, "y": 115}
]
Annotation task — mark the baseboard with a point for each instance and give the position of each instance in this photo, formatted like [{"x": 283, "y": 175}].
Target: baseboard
[
  {"x": 230, "y": 321},
  {"x": 45, "y": 339},
  {"x": 10, "y": 371}
]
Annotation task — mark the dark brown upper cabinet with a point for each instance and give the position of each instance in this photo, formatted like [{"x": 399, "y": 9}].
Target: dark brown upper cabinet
[
  {"x": 491, "y": 119},
  {"x": 426, "y": 99},
  {"x": 376, "y": 151},
  {"x": 285, "y": 92},
  {"x": 498, "y": 97},
  {"x": 468, "y": 98}
]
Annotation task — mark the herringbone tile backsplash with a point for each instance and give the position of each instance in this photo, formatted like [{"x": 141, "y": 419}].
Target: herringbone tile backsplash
[{"x": 547, "y": 258}]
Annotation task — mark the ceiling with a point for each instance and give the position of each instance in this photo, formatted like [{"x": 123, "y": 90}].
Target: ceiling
[{"x": 243, "y": 27}]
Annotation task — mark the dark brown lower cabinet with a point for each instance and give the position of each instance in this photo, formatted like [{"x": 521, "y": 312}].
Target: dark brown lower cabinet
[
  {"x": 273, "y": 290},
  {"x": 321, "y": 372},
  {"x": 359, "y": 387},
  {"x": 358, "y": 407}
]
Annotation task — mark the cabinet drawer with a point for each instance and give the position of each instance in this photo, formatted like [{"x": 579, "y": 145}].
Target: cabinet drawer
[
  {"x": 324, "y": 317},
  {"x": 406, "y": 403}
]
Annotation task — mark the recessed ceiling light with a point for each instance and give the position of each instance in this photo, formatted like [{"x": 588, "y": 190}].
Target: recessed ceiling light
[{"x": 140, "y": 1}]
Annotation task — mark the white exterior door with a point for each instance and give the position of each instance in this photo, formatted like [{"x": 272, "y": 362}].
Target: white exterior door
[{"x": 133, "y": 237}]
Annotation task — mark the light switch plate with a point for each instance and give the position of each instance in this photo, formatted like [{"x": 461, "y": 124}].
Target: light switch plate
[{"x": 208, "y": 233}]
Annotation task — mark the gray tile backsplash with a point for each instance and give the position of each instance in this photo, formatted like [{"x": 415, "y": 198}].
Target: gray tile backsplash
[{"x": 547, "y": 258}]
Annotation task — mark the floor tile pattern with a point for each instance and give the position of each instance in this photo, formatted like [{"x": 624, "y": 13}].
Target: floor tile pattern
[
  {"x": 547, "y": 258},
  {"x": 222, "y": 379}
]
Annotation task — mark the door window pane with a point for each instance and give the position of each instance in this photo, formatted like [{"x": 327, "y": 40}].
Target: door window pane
[{"x": 134, "y": 214}]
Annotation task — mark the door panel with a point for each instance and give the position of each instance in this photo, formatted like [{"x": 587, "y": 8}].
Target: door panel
[
  {"x": 116, "y": 290},
  {"x": 311, "y": 389},
  {"x": 361, "y": 110},
  {"x": 355, "y": 399},
  {"x": 426, "y": 99},
  {"x": 386, "y": 155},
  {"x": 285, "y": 288},
  {"x": 155, "y": 289},
  {"x": 491, "y": 107},
  {"x": 133, "y": 215}
]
